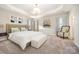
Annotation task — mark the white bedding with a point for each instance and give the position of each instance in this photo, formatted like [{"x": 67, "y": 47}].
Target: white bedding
[{"x": 22, "y": 38}]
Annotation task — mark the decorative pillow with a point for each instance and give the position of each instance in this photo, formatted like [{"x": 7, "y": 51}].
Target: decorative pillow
[
  {"x": 15, "y": 30},
  {"x": 65, "y": 29},
  {"x": 23, "y": 29}
]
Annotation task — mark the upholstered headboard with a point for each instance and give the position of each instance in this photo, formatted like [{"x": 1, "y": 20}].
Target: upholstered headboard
[
  {"x": 9, "y": 26},
  {"x": 2, "y": 28},
  {"x": 1, "y": 25}
]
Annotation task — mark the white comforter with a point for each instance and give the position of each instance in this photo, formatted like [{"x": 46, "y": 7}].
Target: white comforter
[{"x": 22, "y": 38}]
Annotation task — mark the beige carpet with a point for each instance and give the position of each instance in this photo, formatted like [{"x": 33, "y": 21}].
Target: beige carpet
[{"x": 54, "y": 45}]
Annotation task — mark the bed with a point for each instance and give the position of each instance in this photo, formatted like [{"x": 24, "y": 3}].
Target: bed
[{"x": 23, "y": 38}]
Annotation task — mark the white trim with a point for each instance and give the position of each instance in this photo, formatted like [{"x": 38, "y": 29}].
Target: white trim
[{"x": 76, "y": 44}]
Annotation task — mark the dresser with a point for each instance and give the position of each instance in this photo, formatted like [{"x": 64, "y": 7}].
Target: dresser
[{"x": 46, "y": 30}]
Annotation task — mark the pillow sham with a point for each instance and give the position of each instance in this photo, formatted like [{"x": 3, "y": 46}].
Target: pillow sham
[{"x": 15, "y": 30}]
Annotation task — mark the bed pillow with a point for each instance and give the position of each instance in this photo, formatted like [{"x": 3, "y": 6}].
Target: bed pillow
[
  {"x": 15, "y": 30},
  {"x": 23, "y": 29}
]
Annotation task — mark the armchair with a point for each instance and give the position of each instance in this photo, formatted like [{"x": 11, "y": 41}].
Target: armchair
[{"x": 64, "y": 32}]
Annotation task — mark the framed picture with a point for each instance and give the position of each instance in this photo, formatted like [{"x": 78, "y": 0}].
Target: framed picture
[
  {"x": 19, "y": 20},
  {"x": 46, "y": 23},
  {"x": 12, "y": 19}
]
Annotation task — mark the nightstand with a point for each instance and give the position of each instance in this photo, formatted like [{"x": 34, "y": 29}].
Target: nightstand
[{"x": 3, "y": 36}]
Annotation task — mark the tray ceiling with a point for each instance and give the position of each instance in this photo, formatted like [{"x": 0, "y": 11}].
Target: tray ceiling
[{"x": 27, "y": 9}]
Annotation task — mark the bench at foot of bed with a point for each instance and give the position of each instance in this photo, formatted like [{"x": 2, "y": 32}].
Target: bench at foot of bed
[{"x": 38, "y": 41}]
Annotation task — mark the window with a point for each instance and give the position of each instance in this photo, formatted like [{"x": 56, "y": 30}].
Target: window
[{"x": 60, "y": 22}]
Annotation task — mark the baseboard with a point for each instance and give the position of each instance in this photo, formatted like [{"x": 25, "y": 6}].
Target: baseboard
[
  {"x": 76, "y": 44},
  {"x": 51, "y": 34}
]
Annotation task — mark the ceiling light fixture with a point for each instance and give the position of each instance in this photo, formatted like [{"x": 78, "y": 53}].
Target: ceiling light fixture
[{"x": 36, "y": 10}]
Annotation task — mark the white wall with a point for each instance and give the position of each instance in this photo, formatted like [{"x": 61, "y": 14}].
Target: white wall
[
  {"x": 72, "y": 16},
  {"x": 5, "y": 18},
  {"x": 52, "y": 22},
  {"x": 74, "y": 24},
  {"x": 75, "y": 12}
]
